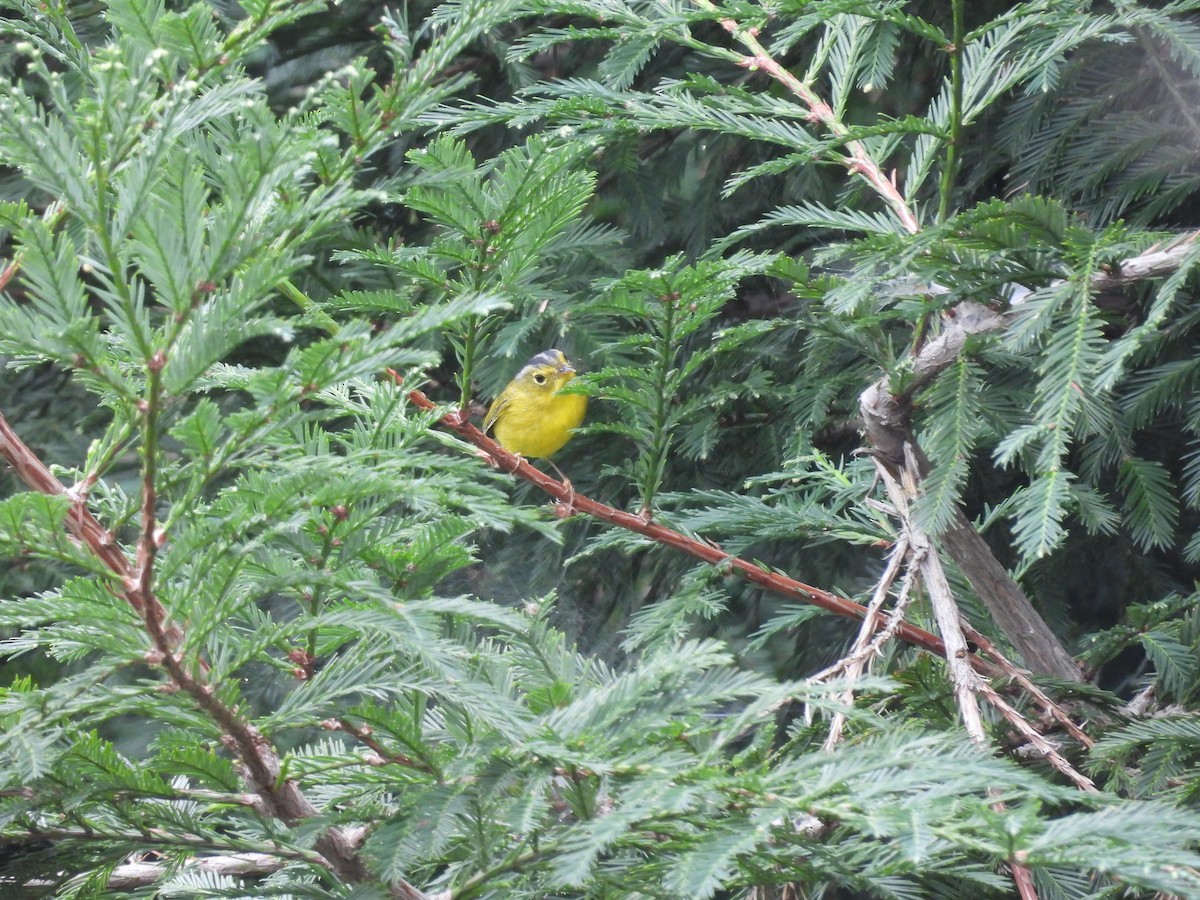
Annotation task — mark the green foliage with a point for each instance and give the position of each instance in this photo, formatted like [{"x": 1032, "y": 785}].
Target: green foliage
[
  {"x": 667, "y": 344},
  {"x": 501, "y": 230},
  {"x": 280, "y": 611},
  {"x": 1115, "y": 149}
]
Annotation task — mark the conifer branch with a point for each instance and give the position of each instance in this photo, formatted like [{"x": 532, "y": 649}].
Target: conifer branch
[
  {"x": 141, "y": 583},
  {"x": 953, "y": 142},
  {"x": 968, "y": 686},
  {"x": 859, "y": 162},
  {"x": 53, "y": 214},
  {"x": 260, "y": 761},
  {"x": 80, "y": 522},
  {"x": 883, "y": 409},
  {"x": 380, "y": 754},
  {"x": 571, "y": 501},
  {"x": 887, "y": 424},
  {"x": 967, "y": 667}
]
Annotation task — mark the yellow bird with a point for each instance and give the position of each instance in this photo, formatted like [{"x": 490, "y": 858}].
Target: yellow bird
[{"x": 530, "y": 416}]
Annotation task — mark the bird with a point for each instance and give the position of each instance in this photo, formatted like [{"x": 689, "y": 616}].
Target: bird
[{"x": 530, "y": 417}]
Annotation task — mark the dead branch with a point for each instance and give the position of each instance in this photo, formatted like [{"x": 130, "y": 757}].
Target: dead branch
[
  {"x": 968, "y": 685},
  {"x": 923, "y": 557},
  {"x": 1021, "y": 678},
  {"x": 887, "y": 424},
  {"x": 867, "y": 642},
  {"x": 134, "y": 875},
  {"x": 1047, "y": 750}
]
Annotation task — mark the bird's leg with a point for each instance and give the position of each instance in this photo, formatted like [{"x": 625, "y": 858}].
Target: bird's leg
[
  {"x": 563, "y": 478},
  {"x": 570, "y": 501}
]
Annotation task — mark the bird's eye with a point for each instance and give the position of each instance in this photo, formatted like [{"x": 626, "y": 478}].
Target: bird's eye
[{"x": 539, "y": 378}]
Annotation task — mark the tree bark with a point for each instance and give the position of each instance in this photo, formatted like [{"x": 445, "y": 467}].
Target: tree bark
[
  {"x": 1010, "y": 609},
  {"x": 887, "y": 420}
]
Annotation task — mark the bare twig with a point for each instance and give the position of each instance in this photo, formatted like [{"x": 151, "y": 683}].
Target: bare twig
[
  {"x": 1039, "y": 742},
  {"x": 1021, "y": 875},
  {"x": 882, "y": 635},
  {"x": 1141, "y": 702},
  {"x": 968, "y": 685},
  {"x": 380, "y": 754},
  {"x": 955, "y": 633},
  {"x": 924, "y": 558},
  {"x": 1054, "y": 710},
  {"x": 139, "y": 873},
  {"x": 1006, "y": 603},
  {"x": 9, "y": 270},
  {"x": 868, "y": 634},
  {"x": 134, "y": 875},
  {"x": 1152, "y": 263},
  {"x": 864, "y": 644}
]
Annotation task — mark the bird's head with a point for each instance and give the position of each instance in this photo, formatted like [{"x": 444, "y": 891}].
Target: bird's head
[{"x": 546, "y": 372}]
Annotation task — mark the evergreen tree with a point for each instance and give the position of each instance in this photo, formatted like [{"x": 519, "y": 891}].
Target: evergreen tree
[{"x": 277, "y": 623}]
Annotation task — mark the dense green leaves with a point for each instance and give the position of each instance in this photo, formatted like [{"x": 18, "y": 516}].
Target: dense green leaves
[{"x": 311, "y": 629}]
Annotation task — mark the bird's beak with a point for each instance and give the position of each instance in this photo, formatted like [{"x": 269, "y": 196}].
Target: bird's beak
[{"x": 566, "y": 369}]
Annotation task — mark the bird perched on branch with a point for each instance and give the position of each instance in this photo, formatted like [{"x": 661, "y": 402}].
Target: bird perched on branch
[{"x": 530, "y": 417}]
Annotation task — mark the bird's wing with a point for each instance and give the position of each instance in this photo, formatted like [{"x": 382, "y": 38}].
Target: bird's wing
[{"x": 494, "y": 411}]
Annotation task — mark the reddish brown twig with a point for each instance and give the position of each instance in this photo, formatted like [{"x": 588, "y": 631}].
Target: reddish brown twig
[
  {"x": 570, "y": 500},
  {"x": 80, "y": 522},
  {"x": 380, "y": 755}
]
